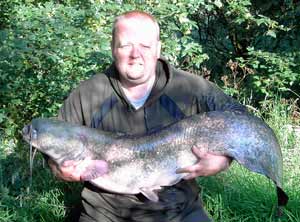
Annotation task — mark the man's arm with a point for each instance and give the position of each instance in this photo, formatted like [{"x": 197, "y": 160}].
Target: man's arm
[
  {"x": 72, "y": 111},
  {"x": 209, "y": 163},
  {"x": 69, "y": 111}
]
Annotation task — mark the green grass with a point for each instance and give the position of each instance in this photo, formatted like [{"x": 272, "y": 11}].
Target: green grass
[
  {"x": 234, "y": 195},
  {"x": 46, "y": 199},
  {"x": 240, "y": 195}
]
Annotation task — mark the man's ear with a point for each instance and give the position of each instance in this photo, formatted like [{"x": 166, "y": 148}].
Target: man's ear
[{"x": 112, "y": 49}]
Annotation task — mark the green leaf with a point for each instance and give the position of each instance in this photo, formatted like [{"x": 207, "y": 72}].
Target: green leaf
[
  {"x": 271, "y": 33},
  {"x": 218, "y": 3}
]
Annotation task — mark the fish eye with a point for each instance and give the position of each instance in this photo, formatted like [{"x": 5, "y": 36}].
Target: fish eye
[
  {"x": 33, "y": 134},
  {"x": 26, "y": 130}
]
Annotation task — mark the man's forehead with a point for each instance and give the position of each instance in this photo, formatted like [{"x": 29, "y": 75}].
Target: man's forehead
[
  {"x": 136, "y": 31},
  {"x": 135, "y": 23}
]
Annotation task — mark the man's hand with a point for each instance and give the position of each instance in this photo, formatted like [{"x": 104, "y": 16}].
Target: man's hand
[
  {"x": 208, "y": 164},
  {"x": 67, "y": 172},
  {"x": 76, "y": 171}
]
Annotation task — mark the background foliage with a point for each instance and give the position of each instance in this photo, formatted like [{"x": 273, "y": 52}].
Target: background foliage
[{"x": 249, "y": 48}]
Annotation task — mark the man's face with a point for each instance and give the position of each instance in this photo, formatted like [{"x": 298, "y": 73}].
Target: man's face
[{"x": 136, "y": 49}]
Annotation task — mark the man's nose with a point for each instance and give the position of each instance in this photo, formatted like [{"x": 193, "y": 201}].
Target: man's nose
[{"x": 135, "y": 52}]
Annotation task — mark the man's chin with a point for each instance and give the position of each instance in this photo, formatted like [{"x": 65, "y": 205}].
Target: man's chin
[
  {"x": 136, "y": 75},
  {"x": 136, "y": 80}
]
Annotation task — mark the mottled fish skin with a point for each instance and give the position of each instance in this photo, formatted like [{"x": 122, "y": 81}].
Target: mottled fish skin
[{"x": 148, "y": 162}]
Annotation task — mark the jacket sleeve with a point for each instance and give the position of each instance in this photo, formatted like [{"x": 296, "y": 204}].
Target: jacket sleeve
[
  {"x": 217, "y": 100},
  {"x": 206, "y": 95},
  {"x": 71, "y": 110}
]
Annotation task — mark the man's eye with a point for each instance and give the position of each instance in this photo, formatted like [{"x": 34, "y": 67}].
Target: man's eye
[
  {"x": 146, "y": 46},
  {"x": 124, "y": 46}
]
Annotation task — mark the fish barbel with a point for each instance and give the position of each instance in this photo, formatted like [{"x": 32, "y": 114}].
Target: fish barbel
[{"x": 145, "y": 163}]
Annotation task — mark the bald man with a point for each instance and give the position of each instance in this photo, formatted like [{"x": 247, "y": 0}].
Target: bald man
[{"x": 138, "y": 93}]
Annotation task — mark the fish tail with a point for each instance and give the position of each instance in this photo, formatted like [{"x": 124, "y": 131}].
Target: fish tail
[{"x": 282, "y": 201}]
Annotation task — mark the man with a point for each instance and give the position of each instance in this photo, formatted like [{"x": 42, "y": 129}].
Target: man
[{"x": 141, "y": 92}]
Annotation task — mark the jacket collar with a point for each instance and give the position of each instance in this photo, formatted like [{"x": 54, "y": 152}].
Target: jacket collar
[{"x": 163, "y": 77}]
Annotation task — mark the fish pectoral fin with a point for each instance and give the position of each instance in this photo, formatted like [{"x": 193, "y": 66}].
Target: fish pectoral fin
[
  {"x": 93, "y": 170},
  {"x": 150, "y": 194}
]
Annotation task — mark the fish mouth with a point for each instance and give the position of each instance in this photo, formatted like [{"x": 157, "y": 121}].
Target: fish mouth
[{"x": 29, "y": 134}]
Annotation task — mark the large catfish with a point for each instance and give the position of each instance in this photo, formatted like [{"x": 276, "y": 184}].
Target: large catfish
[{"x": 146, "y": 163}]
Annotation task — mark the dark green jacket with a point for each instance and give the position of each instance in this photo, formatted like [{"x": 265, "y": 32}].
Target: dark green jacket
[{"x": 100, "y": 103}]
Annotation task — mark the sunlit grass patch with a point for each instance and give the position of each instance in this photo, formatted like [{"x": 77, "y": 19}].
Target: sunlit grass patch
[{"x": 239, "y": 194}]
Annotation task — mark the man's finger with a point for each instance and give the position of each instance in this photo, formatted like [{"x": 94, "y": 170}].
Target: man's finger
[
  {"x": 70, "y": 163},
  {"x": 190, "y": 176},
  {"x": 199, "y": 152},
  {"x": 181, "y": 170},
  {"x": 188, "y": 169}
]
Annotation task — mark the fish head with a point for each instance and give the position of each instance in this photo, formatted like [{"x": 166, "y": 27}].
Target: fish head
[
  {"x": 54, "y": 139},
  {"x": 30, "y": 134}
]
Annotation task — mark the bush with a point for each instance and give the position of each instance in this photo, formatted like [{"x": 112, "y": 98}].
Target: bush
[
  {"x": 47, "y": 51},
  {"x": 253, "y": 46}
]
